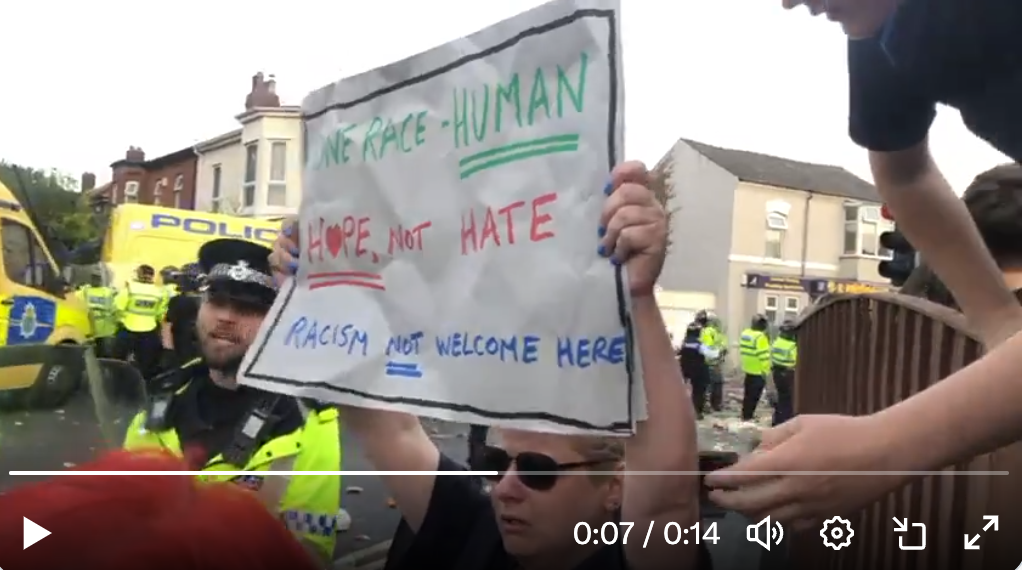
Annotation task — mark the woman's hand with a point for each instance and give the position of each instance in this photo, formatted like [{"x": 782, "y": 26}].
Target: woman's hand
[
  {"x": 633, "y": 228},
  {"x": 284, "y": 259}
]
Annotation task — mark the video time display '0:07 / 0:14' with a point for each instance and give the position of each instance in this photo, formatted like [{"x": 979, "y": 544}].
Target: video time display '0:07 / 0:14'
[{"x": 673, "y": 533}]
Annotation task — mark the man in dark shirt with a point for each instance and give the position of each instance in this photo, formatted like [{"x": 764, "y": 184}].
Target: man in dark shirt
[{"x": 904, "y": 58}]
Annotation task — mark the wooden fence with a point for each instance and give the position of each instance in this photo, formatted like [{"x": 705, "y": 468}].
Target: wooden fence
[{"x": 862, "y": 353}]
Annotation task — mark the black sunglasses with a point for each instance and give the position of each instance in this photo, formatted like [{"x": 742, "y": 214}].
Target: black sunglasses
[{"x": 536, "y": 471}]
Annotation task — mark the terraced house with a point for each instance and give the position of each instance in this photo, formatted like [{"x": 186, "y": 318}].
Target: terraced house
[{"x": 762, "y": 234}]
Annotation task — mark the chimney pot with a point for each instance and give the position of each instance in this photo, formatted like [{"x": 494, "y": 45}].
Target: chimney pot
[
  {"x": 88, "y": 181},
  {"x": 134, "y": 154}
]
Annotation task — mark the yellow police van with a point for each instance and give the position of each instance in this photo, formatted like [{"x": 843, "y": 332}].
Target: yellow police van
[
  {"x": 36, "y": 306},
  {"x": 139, "y": 234}
]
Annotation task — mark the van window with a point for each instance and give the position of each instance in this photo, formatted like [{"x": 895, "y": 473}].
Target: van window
[{"x": 25, "y": 261}]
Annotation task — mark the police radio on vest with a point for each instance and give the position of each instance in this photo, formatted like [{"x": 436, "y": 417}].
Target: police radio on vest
[{"x": 211, "y": 228}]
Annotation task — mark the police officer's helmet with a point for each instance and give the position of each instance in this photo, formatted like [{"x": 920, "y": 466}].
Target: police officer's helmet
[
  {"x": 190, "y": 277},
  {"x": 760, "y": 323},
  {"x": 146, "y": 271},
  {"x": 702, "y": 317},
  {"x": 168, "y": 272},
  {"x": 787, "y": 328}
]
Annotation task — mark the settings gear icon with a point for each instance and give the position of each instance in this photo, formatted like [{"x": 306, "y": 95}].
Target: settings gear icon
[{"x": 837, "y": 533}]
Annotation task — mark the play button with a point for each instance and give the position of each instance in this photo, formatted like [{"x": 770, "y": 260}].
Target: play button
[{"x": 33, "y": 533}]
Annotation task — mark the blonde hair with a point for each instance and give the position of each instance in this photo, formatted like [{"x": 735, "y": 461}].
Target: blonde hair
[{"x": 609, "y": 451}]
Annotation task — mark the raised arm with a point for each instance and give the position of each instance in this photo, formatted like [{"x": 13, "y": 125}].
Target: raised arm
[{"x": 667, "y": 440}]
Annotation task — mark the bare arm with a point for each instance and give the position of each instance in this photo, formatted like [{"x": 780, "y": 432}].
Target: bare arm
[
  {"x": 939, "y": 226},
  {"x": 166, "y": 336},
  {"x": 979, "y": 410},
  {"x": 394, "y": 441},
  {"x": 980, "y": 406},
  {"x": 665, "y": 442}
]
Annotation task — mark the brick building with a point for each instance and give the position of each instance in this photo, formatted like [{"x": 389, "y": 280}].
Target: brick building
[{"x": 168, "y": 180}]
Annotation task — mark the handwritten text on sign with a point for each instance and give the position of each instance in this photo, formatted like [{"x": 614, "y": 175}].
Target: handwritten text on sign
[{"x": 449, "y": 234}]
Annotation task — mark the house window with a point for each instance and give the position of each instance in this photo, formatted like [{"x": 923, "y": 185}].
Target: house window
[
  {"x": 131, "y": 192},
  {"x": 791, "y": 308},
  {"x": 158, "y": 190},
  {"x": 276, "y": 190},
  {"x": 770, "y": 306},
  {"x": 777, "y": 227},
  {"x": 251, "y": 164},
  {"x": 863, "y": 226},
  {"x": 216, "y": 188},
  {"x": 179, "y": 189},
  {"x": 25, "y": 260}
]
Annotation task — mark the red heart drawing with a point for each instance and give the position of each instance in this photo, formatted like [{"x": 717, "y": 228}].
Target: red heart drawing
[{"x": 334, "y": 239}]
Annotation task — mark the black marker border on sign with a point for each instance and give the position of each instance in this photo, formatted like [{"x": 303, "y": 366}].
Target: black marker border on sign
[{"x": 621, "y": 290}]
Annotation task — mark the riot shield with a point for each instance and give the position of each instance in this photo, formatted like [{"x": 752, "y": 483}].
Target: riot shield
[{"x": 40, "y": 431}]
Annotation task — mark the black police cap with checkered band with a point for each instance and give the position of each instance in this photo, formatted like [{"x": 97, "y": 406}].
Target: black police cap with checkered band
[{"x": 238, "y": 269}]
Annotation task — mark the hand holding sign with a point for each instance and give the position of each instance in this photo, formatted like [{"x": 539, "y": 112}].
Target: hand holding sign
[{"x": 635, "y": 225}]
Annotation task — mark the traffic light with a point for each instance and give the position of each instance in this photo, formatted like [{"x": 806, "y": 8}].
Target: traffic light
[{"x": 903, "y": 255}]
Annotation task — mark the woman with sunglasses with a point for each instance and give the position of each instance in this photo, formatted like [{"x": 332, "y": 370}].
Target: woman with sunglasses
[{"x": 548, "y": 484}]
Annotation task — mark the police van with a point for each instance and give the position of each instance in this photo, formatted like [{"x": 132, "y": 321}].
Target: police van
[
  {"x": 139, "y": 234},
  {"x": 37, "y": 306}
]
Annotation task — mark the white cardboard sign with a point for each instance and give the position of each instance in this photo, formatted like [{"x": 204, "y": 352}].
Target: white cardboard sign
[{"x": 449, "y": 263}]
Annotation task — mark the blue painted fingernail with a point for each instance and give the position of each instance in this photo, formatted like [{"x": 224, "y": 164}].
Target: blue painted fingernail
[
  {"x": 615, "y": 261},
  {"x": 601, "y": 231},
  {"x": 293, "y": 266},
  {"x": 609, "y": 188},
  {"x": 602, "y": 250},
  {"x": 294, "y": 252},
  {"x": 287, "y": 231}
]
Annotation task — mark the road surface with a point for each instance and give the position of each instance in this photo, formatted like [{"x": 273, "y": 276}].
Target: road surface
[{"x": 49, "y": 440}]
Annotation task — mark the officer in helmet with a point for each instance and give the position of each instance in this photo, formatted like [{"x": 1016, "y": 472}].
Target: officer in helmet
[
  {"x": 140, "y": 306},
  {"x": 715, "y": 338},
  {"x": 693, "y": 353},
  {"x": 754, "y": 347},
  {"x": 784, "y": 357},
  {"x": 199, "y": 410},
  {"x": 180, "y": 341}
]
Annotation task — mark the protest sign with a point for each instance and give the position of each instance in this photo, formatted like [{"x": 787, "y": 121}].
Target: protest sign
[{"x": 449, "y": 263}]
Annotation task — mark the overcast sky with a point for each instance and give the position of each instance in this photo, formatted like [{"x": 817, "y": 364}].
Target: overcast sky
[{"x": 84, "y": 80}]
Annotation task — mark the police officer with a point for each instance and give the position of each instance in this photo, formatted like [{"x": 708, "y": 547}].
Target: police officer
[
  {"x": 168, "y": 279},
  {"x": 180, "y": 342},
  {"x": 199, "y": 411},
  {"x": 140, "y": 306},
  {"x": 693, "y": 361},
  {"x": 783, "y": 357},
  {"x": 100, "y": 300},
  {"x": 717, "y": 340},
  {"x": 754, "y": 347}
]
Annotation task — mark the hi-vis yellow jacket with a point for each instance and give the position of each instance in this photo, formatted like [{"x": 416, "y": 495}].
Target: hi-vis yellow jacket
[
  {"x": 754, "y": 347},
  {"x": 141, "y": 306},
  {"x": 307, "y": 504}
]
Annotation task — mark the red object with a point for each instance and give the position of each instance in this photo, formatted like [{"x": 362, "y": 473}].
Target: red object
[
  {"x": 170, "y": 522},
  {"x": 885, "y": 212}
]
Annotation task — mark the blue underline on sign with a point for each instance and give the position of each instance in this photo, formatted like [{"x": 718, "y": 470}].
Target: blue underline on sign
[{"x": 403, "y": 369}]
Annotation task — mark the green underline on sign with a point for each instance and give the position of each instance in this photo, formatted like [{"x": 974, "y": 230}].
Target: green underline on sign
[{"x": 514, "y": 152}]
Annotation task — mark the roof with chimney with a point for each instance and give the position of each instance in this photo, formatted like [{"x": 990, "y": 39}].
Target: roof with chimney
[
  {"x": 786, "y": 173},
  {"x": 135, "y": 156}
]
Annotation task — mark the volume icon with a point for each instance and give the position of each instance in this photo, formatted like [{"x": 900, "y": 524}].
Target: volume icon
[{"x": 765, "y": 533}]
